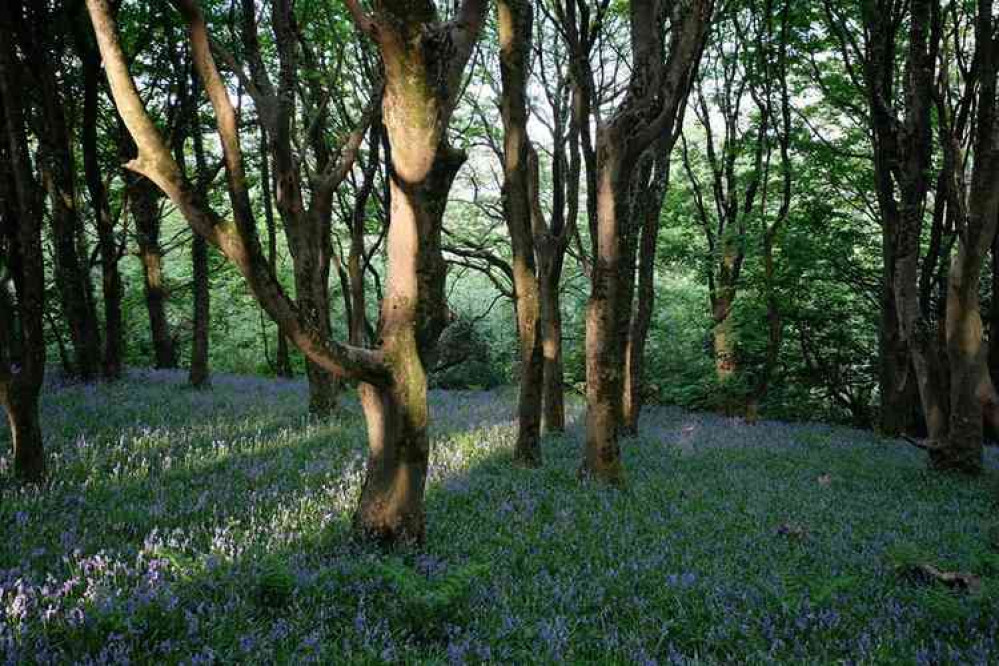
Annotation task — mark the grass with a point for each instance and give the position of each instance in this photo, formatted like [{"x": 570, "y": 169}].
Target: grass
[{"x": 213, "y": 527}]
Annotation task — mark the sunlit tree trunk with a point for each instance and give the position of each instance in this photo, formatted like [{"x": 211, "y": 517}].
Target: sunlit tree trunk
[
  {"x": 515, "y": 19},
  {"x": 412, "y": 317},
  {"x": 422, "y": 80}
]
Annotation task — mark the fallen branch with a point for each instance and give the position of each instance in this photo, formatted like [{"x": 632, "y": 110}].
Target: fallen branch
[{"x": 955, "y": 580}]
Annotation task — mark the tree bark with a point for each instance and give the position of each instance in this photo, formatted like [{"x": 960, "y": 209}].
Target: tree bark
[
  {"x": 57, "y": 167},
  {"x": 143, "y": 199},
  {"x": 515, "y": 20},
  {"x": 553, "y": 399},
  {"x": 282, "y": 360},
  {"x": 994, "y": 315},
  {"x": 199, "y": 373},
  {"x": 22, "y": 331},
  {"x": 651, "y": 202},
  {"x": 114, "y": 343},
  {"x": 899, "y": 413},
  {"x": 647, "y": 113},
  {"x": 422, "y": 80}
]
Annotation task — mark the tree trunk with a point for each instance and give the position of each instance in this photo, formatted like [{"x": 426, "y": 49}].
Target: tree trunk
[
  {"x": 198, "y": 375},
  {"x": 994, "y": 315},
  {"x": 515, "y": 19},
  {"x": 22, "y": 330},
  {"x": 71, "y": 272},
  {"x": 312, "y": 296},
  {"x": 724, "y": 334},
  {"x": 608, "y": 313},
  {"x": 423, "y": 78},
  {"x": 114, "y": 343},
  {"x": 899, "y": 392},
  {"x": 413, "y": 314},
  {"x": 21, "y": 404},
  {"x": 553, "y": 401},
  {"x": 655, "y": 181},
  {"x": 144, "y": 202},
  {"x": 283, "y": 360},
  {"x": 646, "y": 116}
]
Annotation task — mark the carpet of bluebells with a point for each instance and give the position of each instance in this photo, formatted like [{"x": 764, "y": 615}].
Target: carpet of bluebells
[{"x": 214, "y": 527}]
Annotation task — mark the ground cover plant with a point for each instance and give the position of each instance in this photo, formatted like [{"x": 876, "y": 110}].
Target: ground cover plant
[{"x": 183, "y": 526}]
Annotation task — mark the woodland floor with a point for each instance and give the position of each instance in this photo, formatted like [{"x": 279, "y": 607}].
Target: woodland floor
[{"x": 198, "y": 527}]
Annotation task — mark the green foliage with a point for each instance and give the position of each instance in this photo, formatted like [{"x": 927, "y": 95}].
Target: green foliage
[
  {"x": 425, "y": 605},
  {"x": 465, "y": 358},
  {"x": 274, "y": 586}
]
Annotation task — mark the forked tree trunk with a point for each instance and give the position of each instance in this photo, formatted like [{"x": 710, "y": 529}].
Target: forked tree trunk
[
  {"x": 144, "y": 202},
  {"x": 423, "y": 75},
  {"x": 413, "y": 314},
  {"x": 647, "y": 115},
  {"x": 515, "y": 20}
]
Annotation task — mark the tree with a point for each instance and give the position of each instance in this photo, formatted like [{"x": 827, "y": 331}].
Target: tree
[
  {"x": 307, "y": 222},
  {"x": 423, "y": 60},
  {"x": 42, "y": 42},
  {"x": 22, "y": 335},
  {"x": 649, "y": 110},
  {"x": 108, "y": 247},
  {"x": 515, "y": 18}
]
